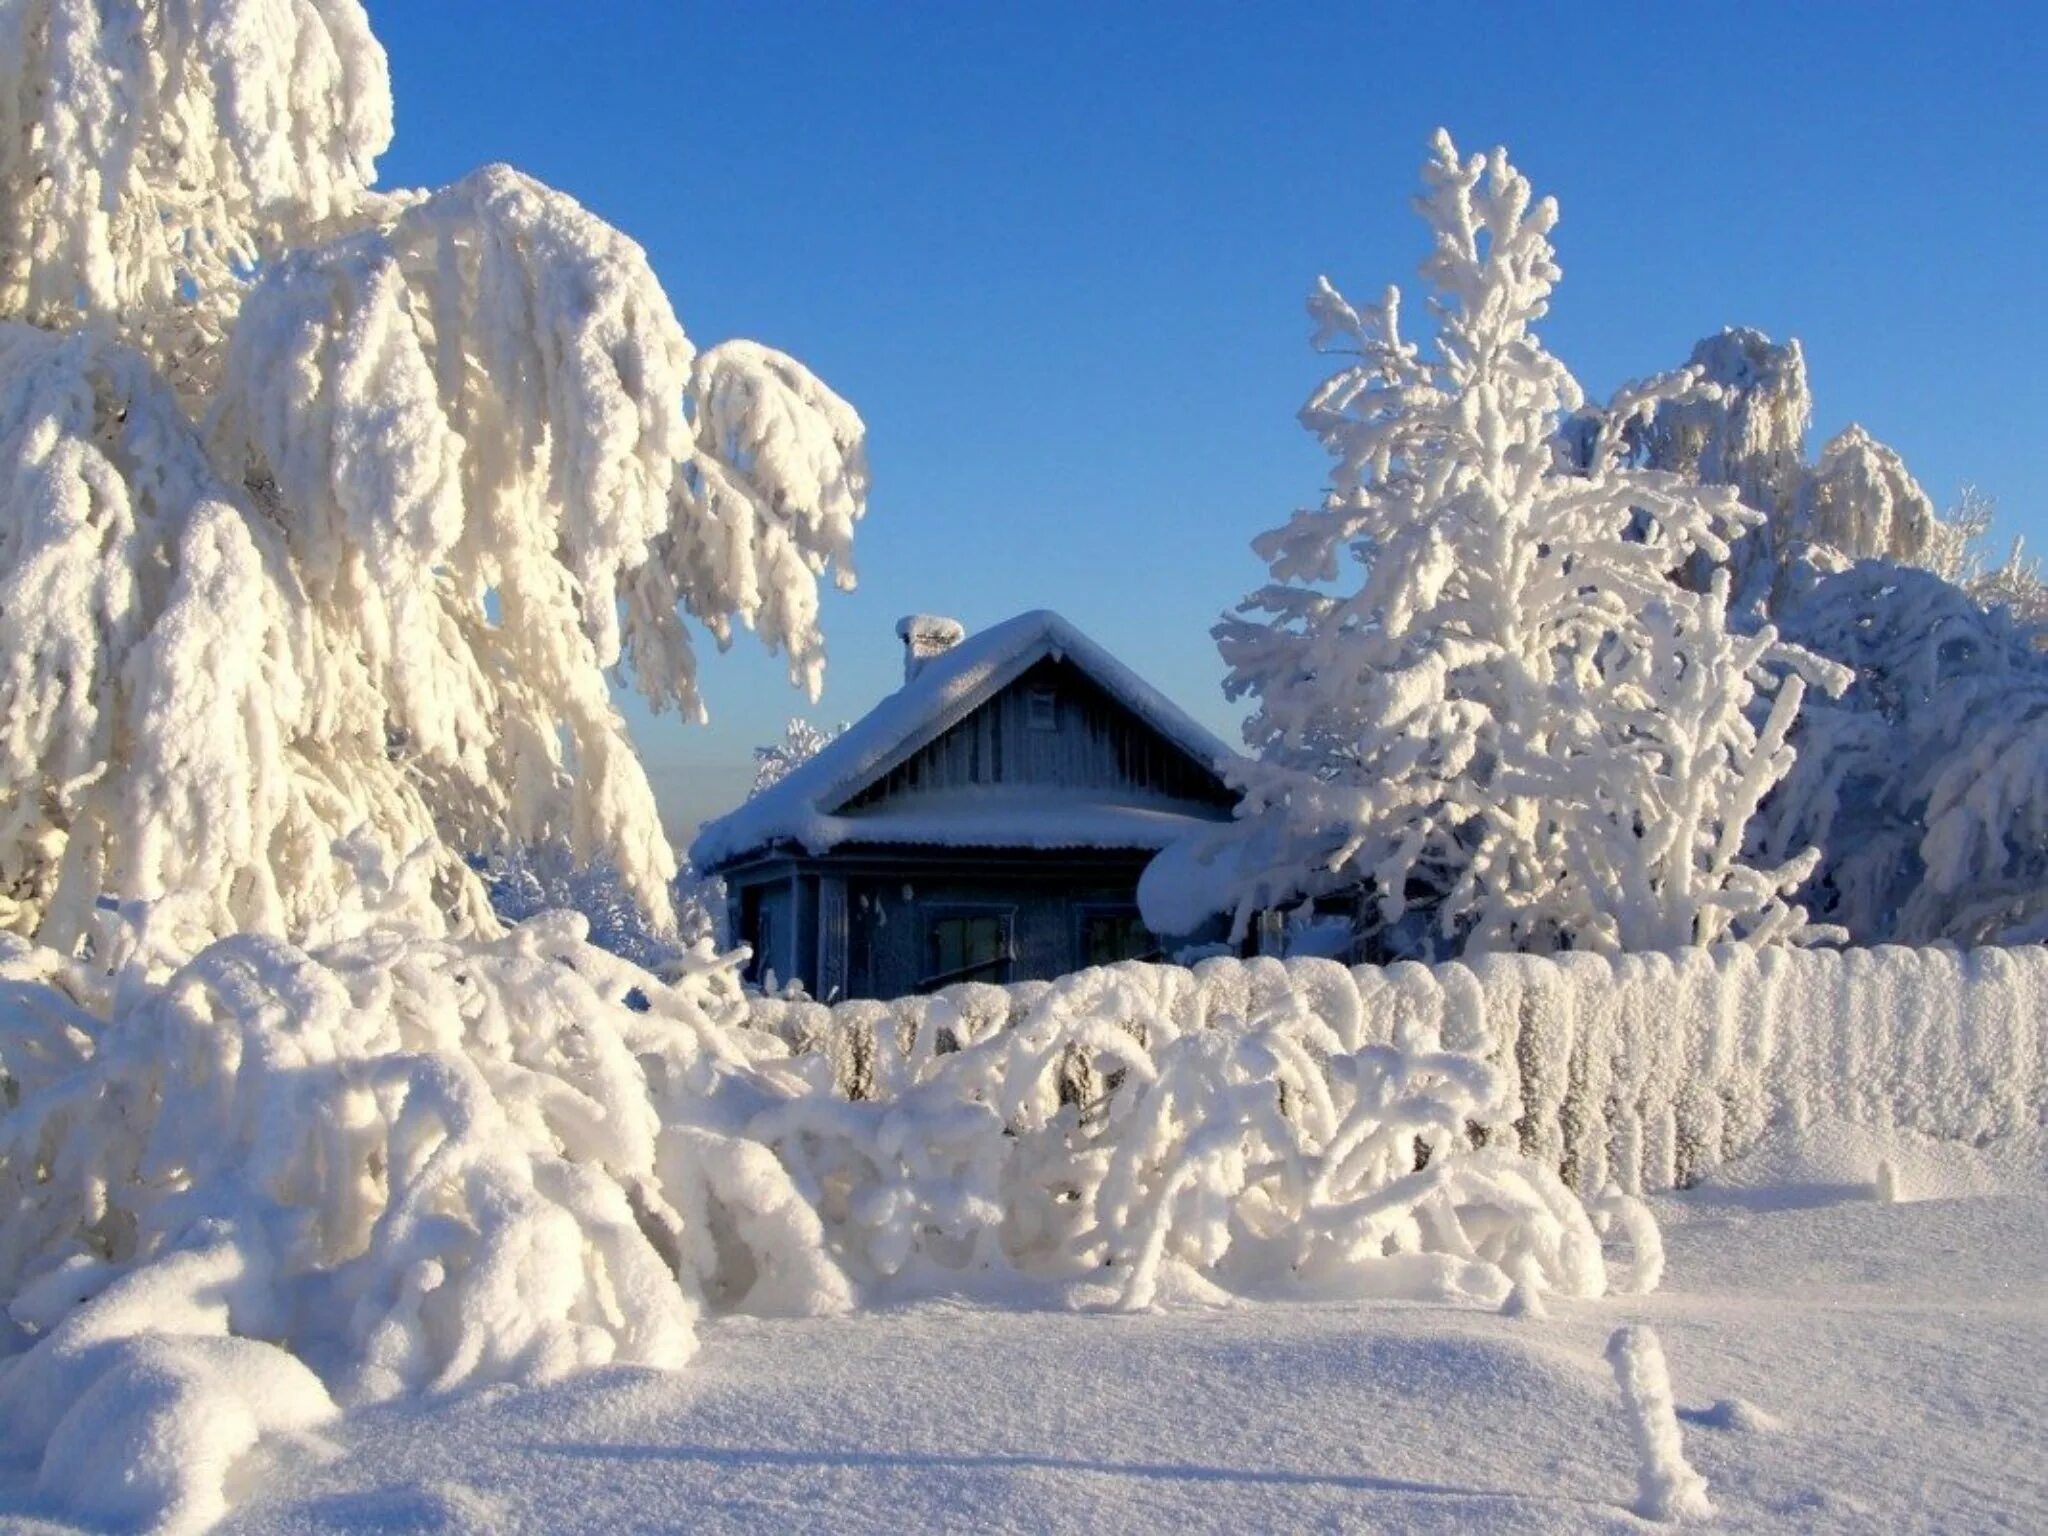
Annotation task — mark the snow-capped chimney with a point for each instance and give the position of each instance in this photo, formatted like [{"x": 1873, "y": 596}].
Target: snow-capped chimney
[{"x": 925, "y": 635}]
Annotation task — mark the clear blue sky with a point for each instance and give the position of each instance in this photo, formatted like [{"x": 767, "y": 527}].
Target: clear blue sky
[{"x": 1056, "y": 254}]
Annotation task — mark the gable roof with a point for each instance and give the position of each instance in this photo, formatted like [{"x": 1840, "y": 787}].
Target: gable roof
[{"x": 946, "y": 690}]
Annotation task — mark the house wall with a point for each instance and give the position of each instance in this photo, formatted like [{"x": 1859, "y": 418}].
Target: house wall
[
  {"x": 1093, "y": 743},
  {"x": 888, "y": 920}
]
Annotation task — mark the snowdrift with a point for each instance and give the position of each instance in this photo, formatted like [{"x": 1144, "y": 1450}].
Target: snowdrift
[{"x": 244, "y": 1183}]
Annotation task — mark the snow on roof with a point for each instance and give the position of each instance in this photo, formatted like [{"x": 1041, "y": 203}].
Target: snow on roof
[{"x": 947, "y": 688}]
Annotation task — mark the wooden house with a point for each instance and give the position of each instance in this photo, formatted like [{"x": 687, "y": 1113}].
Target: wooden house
[{"x": 988, "y": 821}]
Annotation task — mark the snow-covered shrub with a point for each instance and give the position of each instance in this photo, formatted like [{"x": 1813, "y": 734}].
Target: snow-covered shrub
[
  {"x": 1927, "y": 780},
  {"x": 1233, "y": 1126},
  {"x": 405, "y": 1161},
  {"x": 1515, "y": 719},
  {"x": 326, "y": 514},
  {"x": 1632, "y": 1073}
]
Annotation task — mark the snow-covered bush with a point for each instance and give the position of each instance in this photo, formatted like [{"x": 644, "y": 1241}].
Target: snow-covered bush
[
  {"x": 245, "y": 1181},
  {"x": 1516, "y": 719},
  {"x": 1927, "y": 780},
  {"x": 405, "y": 1161},
  {"x": 1636, "y": 1072},
  {"x": 325, "y": 513},
  {"x": 1233, "y": 1127}
]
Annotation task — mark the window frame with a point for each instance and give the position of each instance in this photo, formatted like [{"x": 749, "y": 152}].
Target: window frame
[
  {"x": 1005, "y": 913},
  {"x": 1086, "y": 911}
]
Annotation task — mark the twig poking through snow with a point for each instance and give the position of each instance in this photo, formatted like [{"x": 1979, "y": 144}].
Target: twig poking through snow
[{"x": 1667, "y": 1488}]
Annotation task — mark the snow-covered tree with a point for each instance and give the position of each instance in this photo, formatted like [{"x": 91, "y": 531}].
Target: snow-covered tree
[
  {"x": 1515, "y": 718},
  {"x": 1856, "y": 501},
  {"x": 326, "y": 514},
  {"x": 801, "y": 741},
  {"x": 1927, "y": 780},
  {"x": 524, "y": 882}
]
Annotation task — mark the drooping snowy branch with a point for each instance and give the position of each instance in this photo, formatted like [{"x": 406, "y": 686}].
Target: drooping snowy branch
[
  {"x": 389, "y": 494},
  {"x": 151, "y": 155}
]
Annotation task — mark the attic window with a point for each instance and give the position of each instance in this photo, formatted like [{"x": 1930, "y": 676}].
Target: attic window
[{"x": 1042, "y": 708}]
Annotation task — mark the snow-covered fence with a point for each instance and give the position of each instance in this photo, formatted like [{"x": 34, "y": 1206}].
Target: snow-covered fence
[{"x": 1644, "y": 1071}]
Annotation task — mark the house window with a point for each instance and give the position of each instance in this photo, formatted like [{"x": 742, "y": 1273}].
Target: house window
[
  {"x": 967, "y": 944},
  {"x": 1042, "y": 708},
  {"x": 1110, "y": 934}
]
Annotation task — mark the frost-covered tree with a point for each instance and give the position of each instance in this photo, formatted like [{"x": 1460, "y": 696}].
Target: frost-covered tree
[
  {"x": 326, "y": 514},
  {"x": 525, "y": 882},
  {"x": 1856, "y": 501},
  {"x": 1927, "y": 780},
  {"x": 801, "y": 741},
  {"x": 1513, "y": 717}
]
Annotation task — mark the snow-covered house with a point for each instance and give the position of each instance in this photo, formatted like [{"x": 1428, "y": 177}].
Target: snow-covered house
[{"x": 987, "y": 821}]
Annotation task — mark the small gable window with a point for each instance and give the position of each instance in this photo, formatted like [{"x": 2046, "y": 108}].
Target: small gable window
[{"x": 1042, "y": 708}]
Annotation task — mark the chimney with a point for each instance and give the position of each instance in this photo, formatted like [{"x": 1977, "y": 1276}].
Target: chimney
[{"x": 925, "y": 635}]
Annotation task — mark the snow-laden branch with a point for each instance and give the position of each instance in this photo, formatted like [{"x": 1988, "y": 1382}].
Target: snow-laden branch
[
  {"x": 333, "y": 517},
  {"x": 151, "y": 155}
]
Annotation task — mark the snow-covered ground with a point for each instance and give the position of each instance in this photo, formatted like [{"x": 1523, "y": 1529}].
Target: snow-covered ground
[{"x": 1840, "y": 1363}]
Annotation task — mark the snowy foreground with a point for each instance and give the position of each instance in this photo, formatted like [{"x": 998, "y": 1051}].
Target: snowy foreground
[{"x": 1840, "y": 1364}]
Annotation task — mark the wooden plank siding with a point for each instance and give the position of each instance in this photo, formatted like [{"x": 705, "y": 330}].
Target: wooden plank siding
[{"x": 1053, "y": 727}]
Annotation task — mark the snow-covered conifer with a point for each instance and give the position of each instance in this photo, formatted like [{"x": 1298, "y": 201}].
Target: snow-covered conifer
[
  {"x": 328, "y": 514},
  {"x": 1514, "y": 716}
]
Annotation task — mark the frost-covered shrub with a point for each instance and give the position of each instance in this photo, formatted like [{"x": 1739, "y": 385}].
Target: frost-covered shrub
[
  {"x": 408, "y": 1162},
  {"x": 1222, "y": 1127},
  {"x": 1480, "y": 692},
  {"x": 242, "y": 1180},
  {"x": 1633, "y": 1072}
]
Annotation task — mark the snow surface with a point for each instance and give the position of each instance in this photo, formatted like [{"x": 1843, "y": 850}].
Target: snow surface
[
  {"x": 1837, "y": 1366},
  {"x": 945, "y": 690}
]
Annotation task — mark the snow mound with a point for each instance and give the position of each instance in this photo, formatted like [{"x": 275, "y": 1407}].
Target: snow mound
[{"x": 1833, "y": 1159}]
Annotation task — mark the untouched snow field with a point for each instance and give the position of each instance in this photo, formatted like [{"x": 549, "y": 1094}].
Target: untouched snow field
[{"x": 1840, "y": 1363}]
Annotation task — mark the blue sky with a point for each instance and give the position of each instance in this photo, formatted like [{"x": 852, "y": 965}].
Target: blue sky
[{"x": 1056, "y": 254}]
